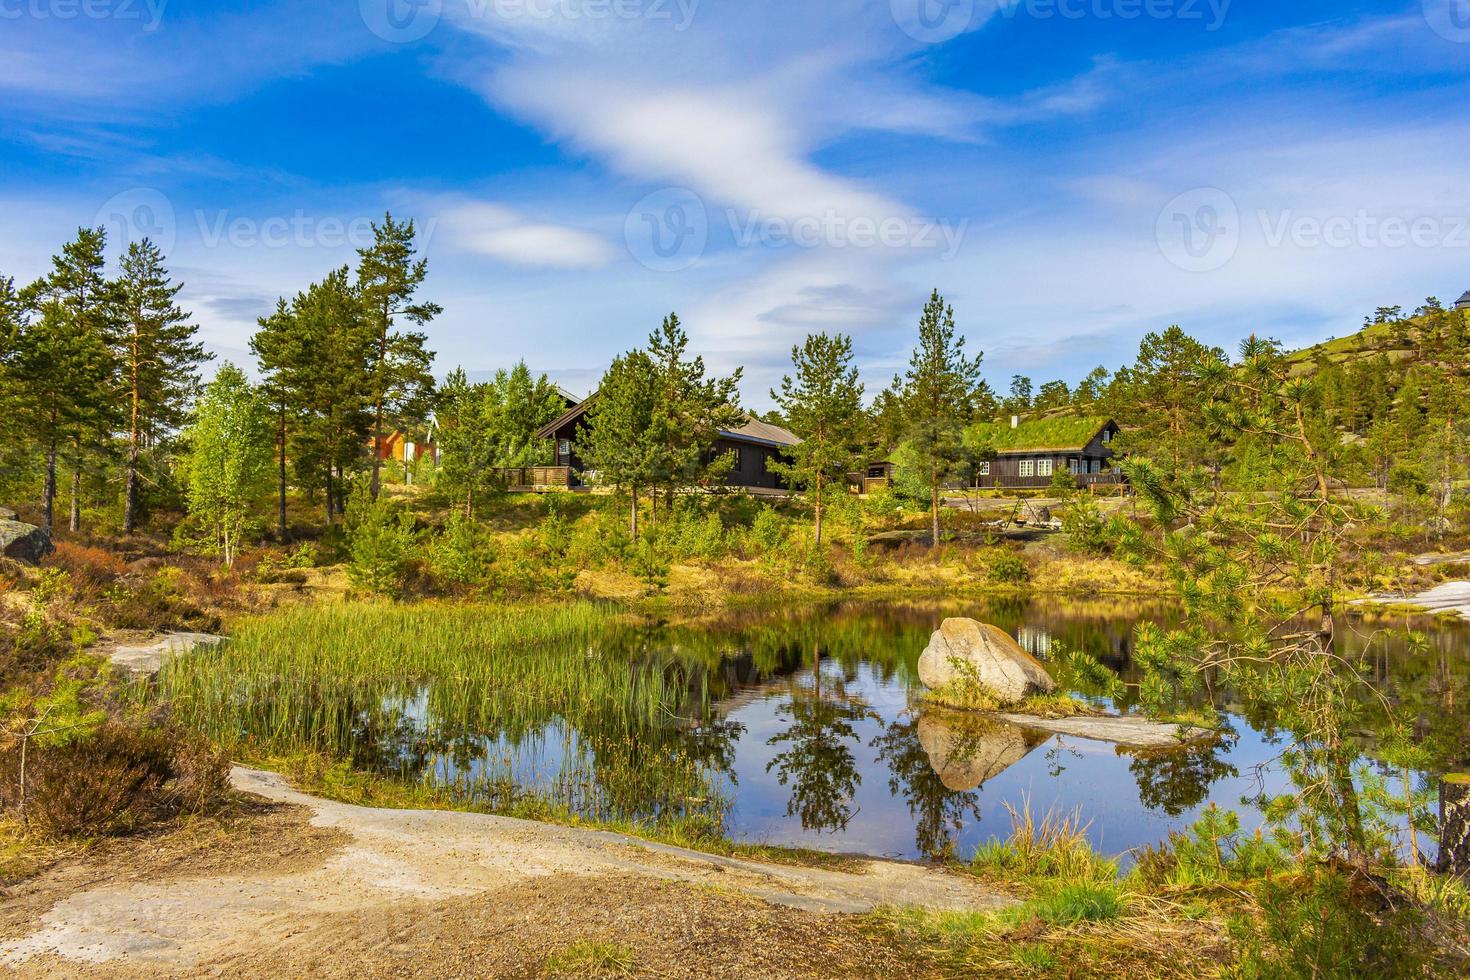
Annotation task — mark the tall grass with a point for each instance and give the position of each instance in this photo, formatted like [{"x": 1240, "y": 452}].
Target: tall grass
[
  {"x": 486, "y": 702},
  {"x": 1054, "y": 847}
]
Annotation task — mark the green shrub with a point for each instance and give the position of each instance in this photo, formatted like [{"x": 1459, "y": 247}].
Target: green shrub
[
  {"x": 1328, "y": 925},
  {"x": 1008, "y": 569},
  {"x": 767, "y": 534},
  {"x": 461, "y": 555},
  {"x": 380, "y": 543}
]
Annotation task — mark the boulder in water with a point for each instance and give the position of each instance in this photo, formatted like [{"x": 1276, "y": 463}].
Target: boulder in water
[{"x": 964, "y": 654}]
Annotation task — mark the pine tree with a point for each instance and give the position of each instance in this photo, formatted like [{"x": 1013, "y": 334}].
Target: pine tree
[
  {"x": 158, "y": 355},
  {"x": 690, "y": 413},
  {"x": 63, "y": 365},
  {"x": 286, "y": 362},
  {"x": 621, "y": 443},
  {"x": 823, "y": 406},
  {"x": 400, "y": 387},
  {"x": 336, "y": 391},
  {"x": 940, "y": 390}
]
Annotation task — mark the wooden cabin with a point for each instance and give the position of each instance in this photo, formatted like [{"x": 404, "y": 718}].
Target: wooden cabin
[
  {"x": 754, "y": 445},
  {"x": 1463, "y": 303},
  {"x": 1029, "y": 452},
  {"x": 876, "y": 475}
]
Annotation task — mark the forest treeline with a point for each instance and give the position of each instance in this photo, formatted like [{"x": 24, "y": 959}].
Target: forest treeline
[{"x": 100, "y": 370}]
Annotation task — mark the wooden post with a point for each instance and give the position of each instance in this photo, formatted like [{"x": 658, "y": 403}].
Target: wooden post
[{"x": 1454, "y": 824}]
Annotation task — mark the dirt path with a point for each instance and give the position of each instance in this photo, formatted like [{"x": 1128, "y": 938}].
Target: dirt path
[{"x": 379, "y": 892}]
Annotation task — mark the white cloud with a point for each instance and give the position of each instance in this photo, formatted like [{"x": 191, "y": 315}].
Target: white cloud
[{"x": 499, "y": 232}]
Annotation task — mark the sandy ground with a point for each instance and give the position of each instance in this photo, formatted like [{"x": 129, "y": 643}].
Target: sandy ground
[{"x": 309, "y": 887}]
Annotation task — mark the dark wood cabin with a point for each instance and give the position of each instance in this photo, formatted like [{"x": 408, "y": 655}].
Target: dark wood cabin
[
  {"x": 875, "y": 475},
  {"x": 754, "y": 445},
  {"x": 1029, "y": 452}
]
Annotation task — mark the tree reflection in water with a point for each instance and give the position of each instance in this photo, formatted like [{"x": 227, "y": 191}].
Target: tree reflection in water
[
  {"x": 1174, "y": 780},
  {"x": 818, "y": 763},
  {"x": 939, "y": 813}
]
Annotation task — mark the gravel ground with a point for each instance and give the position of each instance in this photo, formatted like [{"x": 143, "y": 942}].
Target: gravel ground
[{"x": 298, "y": 886}]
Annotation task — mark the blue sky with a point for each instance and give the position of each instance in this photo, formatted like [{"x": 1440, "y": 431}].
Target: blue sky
[{"x": 1069, "y": 173}]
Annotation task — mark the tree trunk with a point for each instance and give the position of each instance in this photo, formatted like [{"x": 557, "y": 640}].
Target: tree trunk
[
  {"x": 281, "y": 477},
  {"x": 329, "y": 496},
  {"x": 377, "y": 448},
  {"x": 819, "y": 510},
  {"x": 1454, "y": 824},
  {"x": 135, "y": 424},
  {"x": 48, "y": 493},
  {"x": 934, "y": 511},
  {"x": 633, "y": 518},
  {"x": 74, "y": 522},
  {"x": 130, "y": 497}
]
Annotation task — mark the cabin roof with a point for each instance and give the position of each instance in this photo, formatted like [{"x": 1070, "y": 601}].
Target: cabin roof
[
  {"x": 754, "y": 430},
  {"x": 1464, "y": 301},
  {"x": 1058, "y": 433},
  {"x": 548, "y": 431}
]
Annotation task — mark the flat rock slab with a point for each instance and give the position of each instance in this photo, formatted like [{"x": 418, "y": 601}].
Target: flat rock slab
[
  {"x": 1450, "y": 597},
  {"x": 149, "y": 658},
  {"x": 1127, "y": 732},
  {"x": 391, "y": 862}
]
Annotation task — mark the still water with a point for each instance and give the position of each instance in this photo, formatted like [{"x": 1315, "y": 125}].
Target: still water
[{"x": 804, "y": 727}]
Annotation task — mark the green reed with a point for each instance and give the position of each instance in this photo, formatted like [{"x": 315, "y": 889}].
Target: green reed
[{"x": 413, "y": 690}]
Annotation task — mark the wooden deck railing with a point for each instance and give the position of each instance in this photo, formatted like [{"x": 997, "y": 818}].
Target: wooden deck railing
[{"x": 535, "y": 479}]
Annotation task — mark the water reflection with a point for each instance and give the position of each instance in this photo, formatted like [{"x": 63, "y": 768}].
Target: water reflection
[
  {"x": 802, "y": 726},
  {"x": 817, "y": 761}
]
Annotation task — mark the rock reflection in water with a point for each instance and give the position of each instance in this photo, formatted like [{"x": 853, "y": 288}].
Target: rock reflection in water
[{"x": 966, "y": 751}]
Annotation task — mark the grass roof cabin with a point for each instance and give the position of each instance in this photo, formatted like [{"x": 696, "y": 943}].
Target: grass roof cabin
[{"x": 1029, "y": 452}]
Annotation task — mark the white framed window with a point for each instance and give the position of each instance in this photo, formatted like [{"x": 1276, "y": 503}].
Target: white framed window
[
  {"x": 564, "y": 449},
  {"x": 1028, "y": 467},
  {"x": 984, "y": 469},
  {"x": 1043, "y": 467},
  {"x": 1107, "y": 436},
  {"x": 1074, "y": 466}
]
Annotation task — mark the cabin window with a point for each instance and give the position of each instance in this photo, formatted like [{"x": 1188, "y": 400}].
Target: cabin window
[
  {"x": 1028, "y": 467},
  {"x": 876, "y": 473},
  {"x": 1074, "y": 466},
  {"x": 984, "y": 469},
  {"x": 1107, "y": 436},
  {"x": 564, "y": 449},
  {"x": 1043, "y": 467}
]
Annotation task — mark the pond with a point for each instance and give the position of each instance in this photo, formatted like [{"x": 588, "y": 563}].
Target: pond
[{"x": 804, "y": 727}]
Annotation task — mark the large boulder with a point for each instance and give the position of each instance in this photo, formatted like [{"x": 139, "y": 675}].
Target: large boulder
[
  {"x": 964, "y": 654},
  {"x": 24, "y": 542},
  {"x": 967, "y": 750}
]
